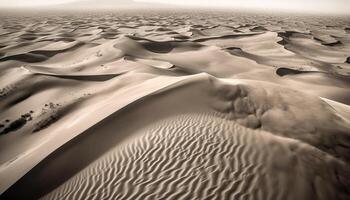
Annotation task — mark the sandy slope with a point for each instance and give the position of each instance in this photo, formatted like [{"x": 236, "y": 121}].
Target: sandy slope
[{"x": 174, "y": 106}]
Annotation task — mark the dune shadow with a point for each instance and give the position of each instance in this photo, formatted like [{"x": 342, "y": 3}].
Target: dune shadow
[{"x": 287, "y": 71}]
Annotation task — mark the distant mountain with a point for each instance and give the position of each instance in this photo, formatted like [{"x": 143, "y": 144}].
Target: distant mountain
[
  {"x": 105, "y": 4},
  {"x": 102, "y": 2}
]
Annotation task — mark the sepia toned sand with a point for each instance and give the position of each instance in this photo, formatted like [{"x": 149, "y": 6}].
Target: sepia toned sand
[{"x": 174, "y": 105}]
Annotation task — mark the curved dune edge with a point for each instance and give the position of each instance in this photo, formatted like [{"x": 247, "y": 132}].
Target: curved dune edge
[
  {"x": 250, "y": 106},
  {"x": 15, "y": 169},
  {"x": 342, "y": 109}
]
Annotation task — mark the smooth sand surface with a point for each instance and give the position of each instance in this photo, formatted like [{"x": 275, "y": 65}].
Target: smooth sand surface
[{"x": 174, "y": 105}]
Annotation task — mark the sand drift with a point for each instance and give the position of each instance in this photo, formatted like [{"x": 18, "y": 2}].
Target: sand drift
[{"x": 174, "y": 106}]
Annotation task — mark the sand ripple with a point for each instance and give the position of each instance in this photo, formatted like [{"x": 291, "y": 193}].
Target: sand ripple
[{"x": 206, "y": 157}]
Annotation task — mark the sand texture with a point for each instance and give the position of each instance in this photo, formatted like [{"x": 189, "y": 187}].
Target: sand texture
[{"x": 174, "y": 105}]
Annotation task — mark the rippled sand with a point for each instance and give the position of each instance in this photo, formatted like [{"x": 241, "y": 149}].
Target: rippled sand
[{"x": 174, "y": 105}]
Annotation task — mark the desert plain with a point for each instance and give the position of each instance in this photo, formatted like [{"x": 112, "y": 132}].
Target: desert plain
[{"x": 174, "y": 105}]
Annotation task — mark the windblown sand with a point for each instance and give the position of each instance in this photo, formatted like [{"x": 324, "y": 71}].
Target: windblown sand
[{"x": 174, "y": 105}]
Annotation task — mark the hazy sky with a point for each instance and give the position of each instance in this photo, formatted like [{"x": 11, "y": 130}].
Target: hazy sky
[
  {"x": 324, "y": 6},
  {"x": 22, "y": 3}
]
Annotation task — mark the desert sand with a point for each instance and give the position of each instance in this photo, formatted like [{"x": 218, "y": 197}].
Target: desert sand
[{"x": 174, "y": 105}]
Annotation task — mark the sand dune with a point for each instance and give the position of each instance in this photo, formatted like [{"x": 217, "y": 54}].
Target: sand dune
[
  {"x": 210, "y": 117},
  {"x": 174, "y": 105},
  {"x": 192, "y": 157}
]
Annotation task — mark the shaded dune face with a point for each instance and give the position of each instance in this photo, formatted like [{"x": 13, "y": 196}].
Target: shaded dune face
[
  {"x": 201, "y": 156},
  {"x": 281, "y": 112},
  {"x": 236, "y": 142}
]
